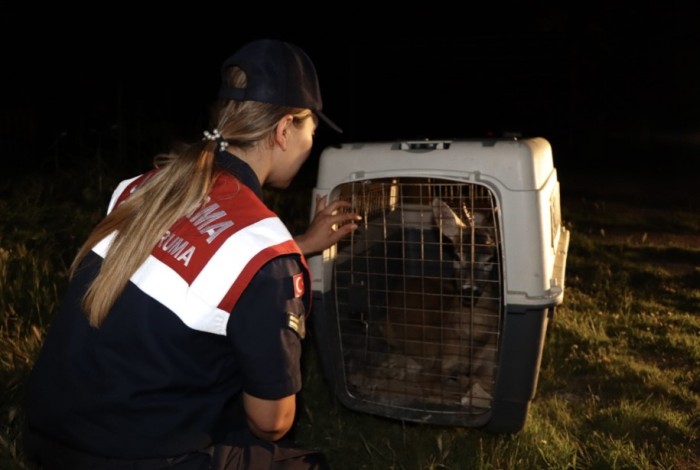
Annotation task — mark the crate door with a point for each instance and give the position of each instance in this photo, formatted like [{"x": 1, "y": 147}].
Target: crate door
[{"x": 417, "y": 296}]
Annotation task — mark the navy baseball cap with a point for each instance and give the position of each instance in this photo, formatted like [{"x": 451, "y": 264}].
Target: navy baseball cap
[{"x": 277, "y": 73}]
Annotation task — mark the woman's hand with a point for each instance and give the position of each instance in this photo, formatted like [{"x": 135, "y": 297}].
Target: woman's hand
[{"x": 327, "y": 227}]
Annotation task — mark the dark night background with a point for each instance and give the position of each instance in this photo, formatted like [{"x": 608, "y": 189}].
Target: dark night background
[{"x": 615, "y": 89}]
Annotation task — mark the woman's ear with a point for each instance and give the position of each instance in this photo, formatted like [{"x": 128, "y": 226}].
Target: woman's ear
[{"x": 282, "y": 130}]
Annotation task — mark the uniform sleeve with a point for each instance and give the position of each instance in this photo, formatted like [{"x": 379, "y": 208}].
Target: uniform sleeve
[{"x": 267, "y": 326}]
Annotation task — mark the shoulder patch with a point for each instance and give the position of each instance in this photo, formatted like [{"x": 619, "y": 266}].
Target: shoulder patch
[{"x": 298, "y": 280}]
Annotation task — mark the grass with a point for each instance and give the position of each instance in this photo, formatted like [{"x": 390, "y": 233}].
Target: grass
[{"x": 618, "y": 388}]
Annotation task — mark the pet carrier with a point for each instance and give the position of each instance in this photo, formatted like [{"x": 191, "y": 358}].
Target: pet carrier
[{"x": 435, "y": 309}]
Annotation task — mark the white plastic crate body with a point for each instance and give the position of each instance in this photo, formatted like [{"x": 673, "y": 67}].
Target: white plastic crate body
[{"x": 370, "y": 353}]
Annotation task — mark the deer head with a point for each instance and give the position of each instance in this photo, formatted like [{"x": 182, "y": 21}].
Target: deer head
[{"x": 468, "y": 233}]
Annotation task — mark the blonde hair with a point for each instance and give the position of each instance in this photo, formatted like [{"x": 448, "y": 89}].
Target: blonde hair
[{"x": 183, "y": 179}]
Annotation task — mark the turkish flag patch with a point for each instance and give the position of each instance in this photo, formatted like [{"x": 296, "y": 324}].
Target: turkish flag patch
[{"x": 298, "y": 280}]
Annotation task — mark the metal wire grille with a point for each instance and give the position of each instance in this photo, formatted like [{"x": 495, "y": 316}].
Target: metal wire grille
[{"x": 418, "y": 294}]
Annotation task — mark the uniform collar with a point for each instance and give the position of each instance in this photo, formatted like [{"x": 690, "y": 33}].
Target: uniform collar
[{"x": 240, "y": 169}]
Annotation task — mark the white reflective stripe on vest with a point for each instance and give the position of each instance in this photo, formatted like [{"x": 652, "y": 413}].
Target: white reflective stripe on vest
[
  {"x": 118, "y": 191},
  {"x": 197, "y": 304}
]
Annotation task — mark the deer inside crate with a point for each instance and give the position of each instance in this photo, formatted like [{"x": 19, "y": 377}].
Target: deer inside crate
[{"x": 441, "y": 329}]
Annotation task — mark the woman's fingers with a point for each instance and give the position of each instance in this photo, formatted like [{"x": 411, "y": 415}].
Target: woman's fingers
[
  {"x": 334, "y": 206},
  {"x": 342, "y": 218},
  {"x": 321, "y": 202}
]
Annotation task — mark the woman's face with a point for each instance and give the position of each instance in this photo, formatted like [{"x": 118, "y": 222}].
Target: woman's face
[{"x": 300, "y": 139}]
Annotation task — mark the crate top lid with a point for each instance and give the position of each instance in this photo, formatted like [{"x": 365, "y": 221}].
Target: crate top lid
[{"x": 524, "y": 164}]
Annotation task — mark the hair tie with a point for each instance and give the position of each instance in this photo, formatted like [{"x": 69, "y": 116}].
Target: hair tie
[{"x": 216, "y": 136}]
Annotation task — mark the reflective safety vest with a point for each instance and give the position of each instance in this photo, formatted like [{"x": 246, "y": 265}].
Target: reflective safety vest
[{"x": 203, "y": 263}]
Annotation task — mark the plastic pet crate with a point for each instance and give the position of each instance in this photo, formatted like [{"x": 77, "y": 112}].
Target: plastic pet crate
[{"x": 436, "y": 309}]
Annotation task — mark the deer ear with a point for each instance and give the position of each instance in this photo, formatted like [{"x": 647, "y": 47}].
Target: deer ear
[
  {"x": 447, "y": 220},
  {"x": 468, "y": 215}
]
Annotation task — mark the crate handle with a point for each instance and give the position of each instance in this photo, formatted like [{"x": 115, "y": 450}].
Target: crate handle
[{"x": 425, "y": 145}]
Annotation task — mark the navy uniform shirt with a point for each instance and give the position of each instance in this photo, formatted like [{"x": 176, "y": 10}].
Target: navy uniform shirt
[{"x": 146, "y": 385}]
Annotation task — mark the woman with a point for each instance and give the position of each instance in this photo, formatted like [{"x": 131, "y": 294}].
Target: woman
[{"x": 178, "y": 342}]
